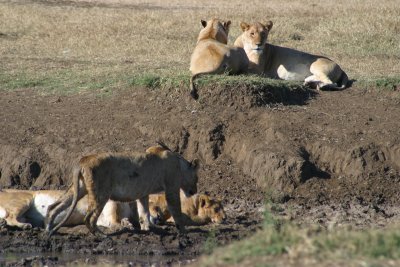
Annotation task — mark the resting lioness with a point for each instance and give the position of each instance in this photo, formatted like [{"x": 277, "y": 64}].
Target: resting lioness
[
  {"x": 286, "y": 63},
  {"x": 198, "y": 209},
  {"x": 212, "y": 55},
  {"x": 127, "y": 177},
  {"x": 26, "y": 209}
]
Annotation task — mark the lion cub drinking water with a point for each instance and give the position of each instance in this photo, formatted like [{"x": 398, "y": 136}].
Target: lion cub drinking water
[
  {"x": 198, "y": 209},
  {"x": 127, "y": 177},
  {"x": 286, "y": 63},
  {"x": 212, "y": 55}
]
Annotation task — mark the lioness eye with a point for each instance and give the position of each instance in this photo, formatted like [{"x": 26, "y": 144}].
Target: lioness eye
[
  {"x": 216, "y": 209},
  {"x": 252, "y": 33}
]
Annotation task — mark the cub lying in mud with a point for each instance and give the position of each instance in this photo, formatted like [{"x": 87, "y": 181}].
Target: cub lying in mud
[
  {"x": 212, "y": 55},
  {"x": 126, "y": 177},
  {"x": 26, "y": 209},
  {"x": 286, "y": 63},
  {"x": 198, "y": 209}
]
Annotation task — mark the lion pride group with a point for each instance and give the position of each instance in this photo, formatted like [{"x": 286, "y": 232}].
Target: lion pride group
[
  {"x": 252, "y": 54},
  {"x": 116, "y": 190}
]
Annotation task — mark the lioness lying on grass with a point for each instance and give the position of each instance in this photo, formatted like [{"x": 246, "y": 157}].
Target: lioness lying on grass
[
  {"x": 286, "y": 63},
  {"x": 126, "y": 177},
  {"x": 198, "y": 209},
  {"x": 26, "y": 209},
  {"x": 212, "y": 55}
]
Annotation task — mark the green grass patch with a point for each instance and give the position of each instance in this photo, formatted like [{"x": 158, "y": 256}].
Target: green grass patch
[
  {"x": 61, "y": 82},
  {"x": 388, "y": 83},
  {"x": 77, "y": 80},
  {"x": 157, "y": 81},
  {"x": 385, "y": 83},
  {"x": 279, "y": 238},
  {"x": 180, "y": 80},
  {"x": 211, "y": 242}
]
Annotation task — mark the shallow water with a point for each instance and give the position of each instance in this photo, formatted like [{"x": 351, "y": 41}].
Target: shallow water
[{"x": 68, "y": 259}]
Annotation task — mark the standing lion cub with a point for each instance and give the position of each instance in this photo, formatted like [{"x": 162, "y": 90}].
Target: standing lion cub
[
  {"x": 127, "y": 177},
  {"x": 286, "y": 63},
  {"x": 212, "y": 55}
]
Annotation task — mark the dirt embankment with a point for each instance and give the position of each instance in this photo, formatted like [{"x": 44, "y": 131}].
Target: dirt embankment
[{"x": 324, "y": 154}]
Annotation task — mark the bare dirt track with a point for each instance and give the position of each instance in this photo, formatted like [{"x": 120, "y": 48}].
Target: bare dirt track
[{"x": 327, "y": 157}]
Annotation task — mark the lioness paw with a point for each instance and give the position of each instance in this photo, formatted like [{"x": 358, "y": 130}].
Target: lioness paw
[{"x": 126, "y": 223}]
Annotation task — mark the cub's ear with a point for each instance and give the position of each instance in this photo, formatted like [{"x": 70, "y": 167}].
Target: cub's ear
[
  {"x": 204, "y": 23},
  {"x": 203, "y": 201},
  {"x": 227, "y": 24},
  {"x": 195, "y": 164},
  {"x": 268, "y": 25},
  {"x": 244, "y": 26}
]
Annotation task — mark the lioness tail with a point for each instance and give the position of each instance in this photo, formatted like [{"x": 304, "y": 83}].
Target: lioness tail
[{"x": 75, "y": 191}]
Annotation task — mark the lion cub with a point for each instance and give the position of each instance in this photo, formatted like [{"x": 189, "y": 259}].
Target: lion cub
[
  {"x": 26, "y": 209},
  {"x": 212, "y": 55},
  {"x": 285, "y": 63},
  {"x": 198, "y": 209}
]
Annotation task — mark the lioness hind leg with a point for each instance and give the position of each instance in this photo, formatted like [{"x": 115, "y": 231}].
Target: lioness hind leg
[
  {"x": 12, "y": 221},
  {"x": 92, "y": 216},
  {"x": 319, "y": 82}
]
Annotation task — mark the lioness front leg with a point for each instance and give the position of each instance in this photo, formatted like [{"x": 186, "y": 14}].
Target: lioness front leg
[
  {"x": 174, "y": 206},
  {"x": 144, "y": 213}
]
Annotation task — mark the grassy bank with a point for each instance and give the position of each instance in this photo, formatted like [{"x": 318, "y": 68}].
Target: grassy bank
[
  {"x": 78, "y": 45},
  {"x": 284, "y": 243}
]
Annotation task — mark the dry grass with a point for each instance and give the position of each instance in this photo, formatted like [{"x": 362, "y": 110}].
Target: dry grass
[{"x": 75, "y": 43}]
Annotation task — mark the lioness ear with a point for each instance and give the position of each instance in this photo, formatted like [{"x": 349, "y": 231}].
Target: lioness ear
[
  {"x": 204, "y": 23},
  {"x": 227, "y": 24},
  {"x": 195, "y": 164},
  {"x": 244, "y": 26},
  {"x": 268, "y": 25}
]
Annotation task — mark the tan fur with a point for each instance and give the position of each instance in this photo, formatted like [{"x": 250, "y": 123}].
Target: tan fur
[
  {"x": 212, "y": 55},
  {"x": 286, "y": 63},
  {"x": 126, "y": 177},
  {"x": 198, "y": 209},
  {"x": 26, "y": 208}
]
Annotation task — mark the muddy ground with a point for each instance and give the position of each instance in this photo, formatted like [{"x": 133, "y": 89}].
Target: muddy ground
[{"x": 331, "y": 158}]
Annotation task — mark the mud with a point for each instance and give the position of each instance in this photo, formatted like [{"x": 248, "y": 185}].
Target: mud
[{"x": 330, "y": 158}]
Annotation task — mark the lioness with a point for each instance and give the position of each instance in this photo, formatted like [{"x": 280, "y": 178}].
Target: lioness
[
  {"x": 212, "y": 55},
  {"x": 127, "y": 177},
  {"x": 286, "y": 63},
  {"x": 198, "y": 209},
  {"x": 26, "y": 209}
]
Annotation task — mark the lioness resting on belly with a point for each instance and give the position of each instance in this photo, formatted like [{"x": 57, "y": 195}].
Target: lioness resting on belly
[
  {"x": 26, "y": 209},
  {"x": 212, "y": 55},
  {"x": 198, "y": 209},
  {"x": 126, "y": 177},
  {"x": 286, "y": 63}
]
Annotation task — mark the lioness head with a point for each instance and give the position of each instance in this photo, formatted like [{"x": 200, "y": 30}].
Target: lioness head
[
  {"x": 215, "y": 29},
  {"x": 188, "y": 169},
  {"x": 189, "y": 176},
  {"x": 255, "y": 35},
  {"x": 210, "y": 208}
]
